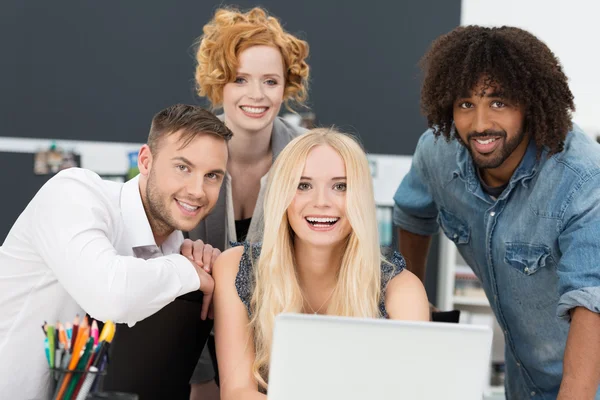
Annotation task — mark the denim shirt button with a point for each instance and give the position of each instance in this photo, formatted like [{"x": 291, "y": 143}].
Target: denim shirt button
[
  {"x": 492, "y": 213},
  {"x": 518, "y": 364},
  {"x": 532, "y": 394},
  {"x": 455, "y": 236},
  {"x": 526, "y": 269}
]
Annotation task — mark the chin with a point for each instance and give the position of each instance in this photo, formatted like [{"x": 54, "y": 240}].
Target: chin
[
  {"x": 322, "y": 241},
  {"x": 186, "y": 225}
]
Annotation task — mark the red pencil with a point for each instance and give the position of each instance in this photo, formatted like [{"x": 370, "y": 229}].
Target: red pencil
[{"x": 75, "y": 329}]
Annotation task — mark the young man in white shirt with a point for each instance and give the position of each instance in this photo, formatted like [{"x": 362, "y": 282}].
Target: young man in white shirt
[{"x": 84, "y": 245}]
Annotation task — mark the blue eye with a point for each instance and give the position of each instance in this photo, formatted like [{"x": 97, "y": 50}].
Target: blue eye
[
  {"x": 239, "y": 79},
  {"x": 271, "y": 82}
]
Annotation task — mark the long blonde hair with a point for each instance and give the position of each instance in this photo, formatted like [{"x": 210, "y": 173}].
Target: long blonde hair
[{"x": 276, "y": 289}]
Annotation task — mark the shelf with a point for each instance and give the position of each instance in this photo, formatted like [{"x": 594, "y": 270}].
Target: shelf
[
  {"x": 471, "y": 301},
  {"x": 494, "y": 393}
]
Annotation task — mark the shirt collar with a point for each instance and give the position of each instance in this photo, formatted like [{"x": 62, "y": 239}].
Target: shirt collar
[{"x": 138, "y": 232}]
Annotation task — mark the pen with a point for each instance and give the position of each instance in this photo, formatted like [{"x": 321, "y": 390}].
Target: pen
[
  {"x": 47, "y": 349},
  {"x": 87, "y": 384},
  {"x": 69, "y": 332},
  {"x": 108, "y": 332},
  {"x": 95, "y": 332},
  {"x": 62, "y": 336},
  {"x": 100, "y": 362},
  {"x": 82, "y": 338},
  {"x": 84, "y": 323},
  {"x": 80, "y": 367},
  {"x": 51, "y": 344}
]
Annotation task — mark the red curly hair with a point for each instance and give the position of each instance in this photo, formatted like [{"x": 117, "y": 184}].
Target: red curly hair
[{"x": 228, "y": 34}]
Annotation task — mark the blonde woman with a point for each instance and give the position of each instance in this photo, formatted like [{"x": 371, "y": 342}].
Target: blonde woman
[
  {"x": 320, "y": 254},
  {"x": 248, "y": 66}
]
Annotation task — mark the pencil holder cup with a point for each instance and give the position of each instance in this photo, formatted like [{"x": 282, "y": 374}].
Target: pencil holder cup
[{"x": 76, "y": 384}]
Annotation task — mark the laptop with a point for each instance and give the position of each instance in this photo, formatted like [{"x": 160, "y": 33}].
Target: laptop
[{"x": 322, "y": 357}]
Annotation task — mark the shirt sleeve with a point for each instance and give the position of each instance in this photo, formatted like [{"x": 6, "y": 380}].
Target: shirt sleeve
[
  {"x": 579, "y": 243},
  {"x": 73, "y": 232},
  {"x": 414, "y": 208}
]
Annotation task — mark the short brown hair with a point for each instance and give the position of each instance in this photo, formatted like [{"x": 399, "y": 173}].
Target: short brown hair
[
  {"x": 192, "y": 120},
  {"x": 522, "y": 65}
]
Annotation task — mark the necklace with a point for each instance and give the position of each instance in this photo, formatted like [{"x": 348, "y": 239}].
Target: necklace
[{"x": 319, "y": 309}]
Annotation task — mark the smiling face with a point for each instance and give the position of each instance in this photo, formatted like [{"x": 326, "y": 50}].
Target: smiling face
[
  {"x": 180, "y": 186},
  {"x": 491, "y": 128},
  {"x": 317, "y": 214},
  {"x": 252, "y": 101}
]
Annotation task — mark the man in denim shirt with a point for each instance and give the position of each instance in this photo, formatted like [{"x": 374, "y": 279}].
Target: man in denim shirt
[{"x": 517, "y": 188}]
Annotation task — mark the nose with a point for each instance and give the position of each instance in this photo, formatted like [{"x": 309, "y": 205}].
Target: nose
[
  {"x": 322, "y": 198},
  {"x": 196, "y": 187},
  {"x": 482, "y": 121},
  {"x": 256, "y": 91}
]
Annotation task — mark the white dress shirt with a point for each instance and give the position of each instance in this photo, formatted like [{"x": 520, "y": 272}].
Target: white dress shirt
[{"x": 82, "y": 245}]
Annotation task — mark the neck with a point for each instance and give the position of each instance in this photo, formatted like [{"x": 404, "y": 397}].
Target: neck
[
  {"x": 317, "y": 267},
  {"x": 248, "y": 148},
  {"x": 501, "y": 175},
  {"x": 160, "y": 230}
]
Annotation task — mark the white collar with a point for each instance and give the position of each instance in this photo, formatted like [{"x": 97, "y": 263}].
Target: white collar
[{"x": 138, "y": 232}]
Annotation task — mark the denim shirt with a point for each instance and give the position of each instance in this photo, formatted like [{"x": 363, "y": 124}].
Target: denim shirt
[{"x": 535, "y": 249}]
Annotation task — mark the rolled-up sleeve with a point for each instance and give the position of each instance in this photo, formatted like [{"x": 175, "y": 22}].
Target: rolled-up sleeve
[
  {"x": 414, "y": 208},
  {"x": 73, "y": 232},
  {"x": 579, "y": 242}
]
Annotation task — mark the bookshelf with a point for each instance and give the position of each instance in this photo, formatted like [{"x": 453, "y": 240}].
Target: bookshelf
[{"x": 459, "y": 289}]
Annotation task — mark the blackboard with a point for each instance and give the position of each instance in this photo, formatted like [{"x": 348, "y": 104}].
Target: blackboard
[{"x": 99, "y": 70}]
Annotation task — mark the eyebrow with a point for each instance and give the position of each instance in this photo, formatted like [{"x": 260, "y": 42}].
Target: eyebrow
[
  {"x": 494, "y": 94},
  {"x": 217, "y": 171},
  {"x": 276, "y": 75},
  {"x": 184, "y": 160},
  {"x": 337, "y": 178}
]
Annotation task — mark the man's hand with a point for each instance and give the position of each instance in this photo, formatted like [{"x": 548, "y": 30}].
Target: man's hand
[
  {"x": 202, "y": 257},
  {"x": 202, "y": 254}
]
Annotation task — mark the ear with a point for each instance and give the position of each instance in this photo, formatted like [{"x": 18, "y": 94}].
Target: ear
[{"x": 145, "y": 160}]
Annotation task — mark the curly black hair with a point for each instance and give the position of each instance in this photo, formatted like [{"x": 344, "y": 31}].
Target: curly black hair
[{"x": 525, "y": 69}]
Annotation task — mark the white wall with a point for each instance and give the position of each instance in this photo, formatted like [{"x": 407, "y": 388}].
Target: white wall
[
  {"x": 101, "y": 157},
  {"x": 571, "y": 29}
]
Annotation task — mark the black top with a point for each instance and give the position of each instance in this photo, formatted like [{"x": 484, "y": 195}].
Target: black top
[
  {"x": 494, "y": 191},
  {"x": 393, "y": 265},
  {"x": 156, "y": 358},
  {"x": 241, "y": 229}
]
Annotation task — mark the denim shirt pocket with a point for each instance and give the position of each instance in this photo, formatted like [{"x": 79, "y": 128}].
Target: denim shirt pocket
[
  {"x": 527, "y": 258},
  {"x": 454, "y": 228}
]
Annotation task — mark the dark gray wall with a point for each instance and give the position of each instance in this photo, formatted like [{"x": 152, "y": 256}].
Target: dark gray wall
[{"x": 99, "y": 70}]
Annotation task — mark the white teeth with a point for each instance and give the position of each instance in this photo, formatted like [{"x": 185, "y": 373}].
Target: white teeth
[
  {"x": 485, "y": 141},
  {"x": 254, "y": 110},
  {"x": 321, "y": 220},
  {"x": 187, "y": 206}
]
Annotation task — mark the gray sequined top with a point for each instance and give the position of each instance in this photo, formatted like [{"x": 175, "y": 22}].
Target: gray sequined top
[{"x": 244, "y": 279}]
